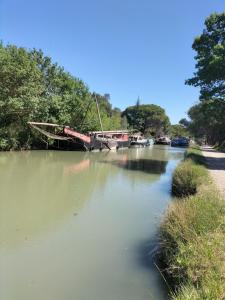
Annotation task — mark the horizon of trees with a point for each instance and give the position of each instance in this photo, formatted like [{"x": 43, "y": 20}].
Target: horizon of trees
[{"x": 33, "y": 88}]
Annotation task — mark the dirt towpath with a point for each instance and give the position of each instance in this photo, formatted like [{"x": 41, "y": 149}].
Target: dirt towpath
[{"x": 216, "y": 164}]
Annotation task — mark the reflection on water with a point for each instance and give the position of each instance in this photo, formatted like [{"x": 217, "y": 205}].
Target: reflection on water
[
  {"x": 144, "y": 165},
  {"x": 77, "y": 167},
  {"x": 72, "y": 224},
  {"x": 37, "y": 194}
]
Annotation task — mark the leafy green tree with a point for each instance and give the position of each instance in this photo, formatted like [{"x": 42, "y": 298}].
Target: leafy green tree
[
  {"x": 210, "y": 48},
  {"x": 147, "y": 118},
  {"x": 111, "y": 118},
  {"x": 21, "y": 91},
  {"x": 104, "y": 105},
  {"x": 178, "y": 130},
  {"x": 32, "y": 88},
  {"x": 208, "y": 116},
  {"x": 116, "y": 120},
  {"x": 208, "y": 119},
  {"x": 184, "y": 122}
]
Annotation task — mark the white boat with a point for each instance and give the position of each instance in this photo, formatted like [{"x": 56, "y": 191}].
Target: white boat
[
  {"x": 163, "y": 140},
  {"x": 140, "y": 141}
]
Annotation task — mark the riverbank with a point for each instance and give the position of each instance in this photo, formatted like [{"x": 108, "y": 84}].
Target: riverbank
[
  {"x": 192, "y": 233},
  {"x": 215, "y": 162}
]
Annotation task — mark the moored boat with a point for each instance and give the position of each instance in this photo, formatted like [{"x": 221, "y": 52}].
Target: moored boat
[
  {"x": 180, "y": 142},
  {"x": 66, "y": 138},
  {"x": 139, "y": 141},
  {"x": 164, "y": 140},
  {"x": 115, "y": 138}
]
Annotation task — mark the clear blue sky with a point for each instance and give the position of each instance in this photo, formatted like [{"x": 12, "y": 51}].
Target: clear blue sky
[{"x": 127, "y": 48}]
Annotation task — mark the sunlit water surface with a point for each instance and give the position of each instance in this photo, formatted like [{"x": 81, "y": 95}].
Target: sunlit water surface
[{"x": 81, "y": 226}]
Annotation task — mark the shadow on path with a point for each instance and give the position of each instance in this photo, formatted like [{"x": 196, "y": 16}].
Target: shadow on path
[
  {"x": 215, "y": 163},
  {"x": 215, "y": 160}
]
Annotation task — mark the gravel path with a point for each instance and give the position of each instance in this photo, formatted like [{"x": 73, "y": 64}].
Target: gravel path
[{"x": 216, "y": 165}]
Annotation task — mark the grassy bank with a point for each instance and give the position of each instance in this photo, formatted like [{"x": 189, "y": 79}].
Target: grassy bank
[
  {"x": 192, "y": 234},
  {"x": 221, "y": 147}
]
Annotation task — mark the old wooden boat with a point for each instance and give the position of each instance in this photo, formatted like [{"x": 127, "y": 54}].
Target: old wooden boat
[
  {"x": 66, "y": 138},
  {"x": 115, "y": 138}
]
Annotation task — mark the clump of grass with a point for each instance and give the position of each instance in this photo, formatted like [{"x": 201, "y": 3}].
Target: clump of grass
[
  {"x": 187, "y": 177},
  {"x": 186, "y": 292},
  {"x": 192, "y": 237},
  {"x": 185, "y": 221}
]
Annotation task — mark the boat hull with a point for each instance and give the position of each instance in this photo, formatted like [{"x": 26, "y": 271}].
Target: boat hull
[
  {"x": 162, "y": 143},
  {"x": 123, "y": 144},
  {"x": 138, "y": 144},
  {"x": 77, "y": 145},
  {"x": 180, "y": 142},
  {"x": 65, "y": 138}
]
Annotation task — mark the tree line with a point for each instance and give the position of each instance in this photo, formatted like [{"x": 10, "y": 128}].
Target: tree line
[
  {"x": 33, "y": 88},
  {"x": 207, "y": 117}
]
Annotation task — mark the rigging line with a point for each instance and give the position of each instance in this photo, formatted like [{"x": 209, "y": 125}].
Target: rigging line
[
  {"x": 99, "y": 116},
  {"x": 49, "y": 134},
  {"x": 89, "y": 104}
]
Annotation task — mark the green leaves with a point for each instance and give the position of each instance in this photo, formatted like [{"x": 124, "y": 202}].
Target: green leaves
[
  {"x": 148, "y": 118},
  {"x": 32, "y": 88},
  {"x": 208, "y": 118},
  {"x": 178, "y": 130},
  {"x": 210, "y": 48}
]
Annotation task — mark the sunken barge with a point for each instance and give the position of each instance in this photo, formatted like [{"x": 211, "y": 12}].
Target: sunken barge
[{"x": 66, "y": 138}]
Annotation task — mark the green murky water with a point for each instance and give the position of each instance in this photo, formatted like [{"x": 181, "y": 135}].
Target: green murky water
[{"x": 81, "y": 226}]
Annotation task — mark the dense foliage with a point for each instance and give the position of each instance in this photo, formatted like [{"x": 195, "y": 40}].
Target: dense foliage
[
  {"x": 210, "y": 48},
  {"x": 178, "y": 130},
  {"x": 208, "y": 120},
  {"x": 32, "y": 88},
  {"x": 208, "y": 116},
  {"x": 149, "y": 119}
]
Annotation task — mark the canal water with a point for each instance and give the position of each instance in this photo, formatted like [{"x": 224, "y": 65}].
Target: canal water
[{"x": 82, "y": 226}]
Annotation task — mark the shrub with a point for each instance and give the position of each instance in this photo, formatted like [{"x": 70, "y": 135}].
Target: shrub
[{"x": 186, "y": 178}]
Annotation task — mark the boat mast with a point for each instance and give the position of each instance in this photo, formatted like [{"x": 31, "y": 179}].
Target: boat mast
[{"x": 99, "y": 116}]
